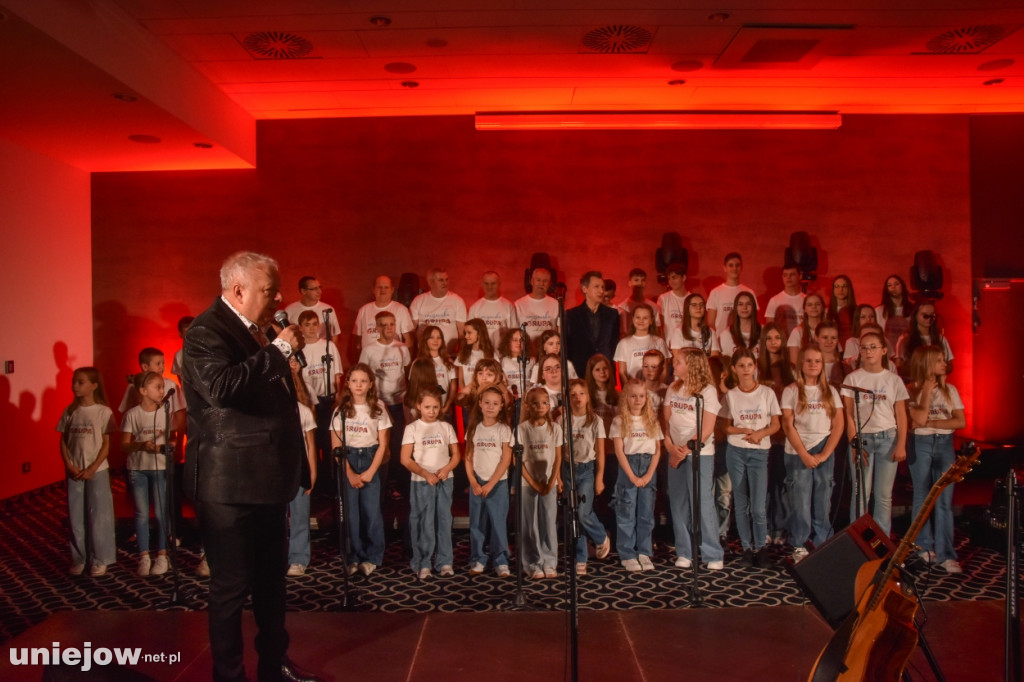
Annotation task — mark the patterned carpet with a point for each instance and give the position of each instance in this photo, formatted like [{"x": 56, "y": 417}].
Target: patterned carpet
[{"x": 34, "y": 582}]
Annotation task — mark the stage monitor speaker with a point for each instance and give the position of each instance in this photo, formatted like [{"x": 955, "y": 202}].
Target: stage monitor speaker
[
  {"x": 408, "y": 288},
  {"x": 828, "y": 575}
]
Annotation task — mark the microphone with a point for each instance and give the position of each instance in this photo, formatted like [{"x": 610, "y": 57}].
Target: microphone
[
  {"x": 281, "y": 317},
  {"x": 857, "y": 389},
  {"x": 168, "y": 395}
]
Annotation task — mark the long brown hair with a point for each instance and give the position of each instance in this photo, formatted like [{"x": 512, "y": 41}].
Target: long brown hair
[
  {"x": 611, "y": 396},
  {"x": 921, "y": 362},
  {"x": 589, "y": 414},
  {"x": 476, "y": 415},
  {"x": 99, "y": 395},
  {"x": 765, "y": 367},
  {"x": 822, "y": 383},
  {"x": 483, "y": 341},
  {"x": 372, "y": 401},
  {"x": 755, "y": 326},
  {"x": 442, "y": 352}
]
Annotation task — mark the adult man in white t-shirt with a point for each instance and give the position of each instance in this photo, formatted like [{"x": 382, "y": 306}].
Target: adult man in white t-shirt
[
  {"x": 537, "y": 310},
  {"x": 309, "y": 292},
  {"x": 786, "y": 308},
  {"x": 722, "y": 297},
  {"x": 635, "y": 295},
  {"x": 440, "y": 308},
  {"x": 494, "y": 309},
  {"x": 364, "y": 332}
]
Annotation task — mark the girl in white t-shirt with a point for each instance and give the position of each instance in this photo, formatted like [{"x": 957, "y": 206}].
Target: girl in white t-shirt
[
  {"x": 773, "y": 365},
  {"x": 541, "y": 438},
  {"x": 85, "y": 428},
  {"x": 629, "y": 353},
  {"x": 679, "y": 414},
  {"x": 863, "y": 315},
  {"x": 694, "y": 332},
  {"x": 486, "y": 373},
  {"x": 936, "y": 411},
  {"x": 754, "y": 415},
  {"x": 362, "y": 425},
  {"x": 803, "y": 334},
  {"x": 550, "y": 367},
  {"x": 812, "y": 417},
  {"x": 432, "y": 347},
  {"x": 924, "y": 331},
  {"x": 827, "y": 334},
  {"x": 588, "y": 441},
  {"x": 511, "y": 348},
  {"x": 637, "y": 437},
  {"x": 430, "y": 451},
  {"x": 601, "y": 385},
  {"x": 883, "y": 432},
  {"x": 745, "y": 330},
  {"x": 548, "y": 343},
  {"x": 144, "y": 436},
  {"x": 488, "y": 456},
  {"x": 476, "y": 346},
  {"x": 652, "y": 371}
]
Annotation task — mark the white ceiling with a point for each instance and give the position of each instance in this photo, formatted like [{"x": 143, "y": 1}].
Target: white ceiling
[{"x": 186, "y": 63}]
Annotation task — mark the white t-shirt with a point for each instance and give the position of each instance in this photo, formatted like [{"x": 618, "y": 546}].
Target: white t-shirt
[
  {"x": 388, "y": 363},
  {"x": 682, "y": 423},
  {"x": 721, "y": 299},
  {"x": 365, "y": 326},
  {"x": 539, "y": 444},
  {"x": 146, "y": 426},
  {"x": 786, "y": 311},
  {"x": 627, "y": 305},
  {"x": 728, "y": 346},
  {"x": 671, "y": 308},
  {"x": 176, "y": 363},
  {"x": 813, "y": 425},
  {"x": 499, "y": 315},
  {"x": 444, "y": 313},
  {"x": 445, "y": 376},
  {"x": 537, "y": 315},
  {"x": 469, "y": 365},
  {"x": 631, "y": 350},
  {"x": 131, "y": 397},
  {"x": 635, "y": 439},
  {"x": 901, "y": 347},
  {"x": 488, "y": 443},
  {"x": 753, "y": 411},
  {"x": 940, "y": 408},
  {"x": 84, "y": 431},
  {"x": 657, "y": 397},
  {"x": 362, "y": 430},
  {"x": 431, "y": 445},
  {"x": 585, "y": 438},
  {"x": 306, "y": 418},
  {"x": 535, "y": 373},
  {"x": 796, "y": 337},
  {"x": 514, "y": 375},
  {"x": 315, "y": 372},
  {"x": 296, "y": 308},
  {"x": 887, "y": 388},
  {"x": 709, "y": 345}
]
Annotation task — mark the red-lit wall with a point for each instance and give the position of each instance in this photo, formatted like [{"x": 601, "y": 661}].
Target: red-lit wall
[{"x": 346, "y": 199}]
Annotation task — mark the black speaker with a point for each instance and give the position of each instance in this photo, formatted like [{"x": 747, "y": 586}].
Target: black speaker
[
  {"x": 828, "y": 575},
  {"x": 408, "y": 288},
  {"x": 671, "y": 252},
  {"x": 926, "y": 276},
  {"x": 802, "y": 256}
]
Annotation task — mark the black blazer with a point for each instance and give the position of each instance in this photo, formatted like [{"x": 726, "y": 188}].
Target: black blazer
[
  {"x": 245, "y": 442},
  {"x": 581, "y": 344}
]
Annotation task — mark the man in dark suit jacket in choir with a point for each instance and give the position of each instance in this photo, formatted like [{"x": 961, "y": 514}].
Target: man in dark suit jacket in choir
[
  {"x": 244, "y": 461},
  {"x": 591, "y": 327}
]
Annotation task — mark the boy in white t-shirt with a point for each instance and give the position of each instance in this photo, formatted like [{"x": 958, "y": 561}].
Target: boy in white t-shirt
[
  {"x": 322, "y": 377},
  {"x": 722, "y": 297},
  {"x": 671, "y": 304},
  {"x": 786, "y": 308}
]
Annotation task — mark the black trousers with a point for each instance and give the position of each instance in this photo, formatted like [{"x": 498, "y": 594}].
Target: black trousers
[{"x": 247, "y": 549}]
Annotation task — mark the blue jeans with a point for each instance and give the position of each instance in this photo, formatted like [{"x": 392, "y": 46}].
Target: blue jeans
[
  {"x": 430, "y": 523},
  {"x": 680, "y": 482},
  {"x": 930, "y": 457},
  {"x": 879, "y": 476},
  {"x": 539, "y": 529},
  {"x": 146, "y": 483},
  {"x": 810, "y": 496},
  {"x": 748, "y": 469},
  {"x": 778, "y": 502},
  {"x": 488, "y": 524},
  {"x": 298, "y": 529},
  {"x": 90, "y": 502},
  {"x": 723, "y": 491},
  {"x": 590, "y": 525},
  {"x": 634, "y": 510},
  {"x": 362, "y": 507}
]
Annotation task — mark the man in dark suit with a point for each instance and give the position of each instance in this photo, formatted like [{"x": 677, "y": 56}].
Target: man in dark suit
[
  {"x": 591, "y": 327},
  {"x": 244, "y": 461}
]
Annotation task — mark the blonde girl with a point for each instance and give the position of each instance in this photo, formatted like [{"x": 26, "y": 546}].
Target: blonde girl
[
  {"x": 588, "y": 441},
  {"x": 488, "y": 456},
  {"x": 542, "y": 460},
  {"x": 630, "y": 351}
]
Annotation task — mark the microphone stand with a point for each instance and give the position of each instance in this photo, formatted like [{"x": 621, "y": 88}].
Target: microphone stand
[
  {"x": 572, "y": 514},
  {"x": 348, "y": 602},
  {"x": 861, "y": 504},
  {"x": 328, "y": 360},
  {"x": 696, "y": 537},
  {"x": 519, "y": 600},
  {"x": 1011, "y": 661},
  {"x": 177, "y": 597}
]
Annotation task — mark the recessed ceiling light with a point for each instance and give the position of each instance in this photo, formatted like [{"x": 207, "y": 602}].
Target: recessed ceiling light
[
  {"x": 410, "y": 84},
  {"x": 437, "y": 42},
  {"x": 145, "y": 139},
  {"x": 688, "y": 65},
  {"x": 125, "y": 97},
  {"x": 993, "y": 81},
  {"x": 380, "y": 21},
  {"x": 400, "y": 67},
  {"x": 719, "y": 17},
  {"x": 202, "y": 145},
  {"x": 678, "y": 81},
  {"x": 996, "y": 65}
]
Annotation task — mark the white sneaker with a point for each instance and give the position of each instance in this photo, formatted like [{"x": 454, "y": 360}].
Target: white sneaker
[
  {"x": 951, "y": 566},
  {"x": 646, "y": 563},
  {"x": 423, "y": 574},
  {"x": 683, "y": 562},
  {"x": 604, "y": 548},
  {"x": 927, "y": 556},
  {"x": 352, "y": 569},
  {"x": 476, "y": 568},
  {"x": 145, "y": 566},
  {"x": 631, "y": 565},
  {"x": 502, "y": 571},
  {"x": 160, "y": 566},
  {"x": 716, "y": 565},
  {"x": 366, "y": 568},
  {"x": 97, "y": 570},
  {"x": 581, "y": 568},
  {"x": 296, "y": 570},
  {"x": 550, "y": 573},
  {"x": 76, "y": 569},
  {"x": 446, "y": 571},
  {"x": 799, "y": 554}
]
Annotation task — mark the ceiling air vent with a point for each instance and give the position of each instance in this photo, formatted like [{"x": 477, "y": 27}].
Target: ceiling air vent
[
  {"x": 968, "y": 40},
  {"x": 277, "y": 45},
  {"x": 618, "y": 39}
]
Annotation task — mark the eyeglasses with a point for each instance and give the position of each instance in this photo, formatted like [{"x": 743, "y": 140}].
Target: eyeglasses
[
  {"x": 553, "y": 369},
  {"x": 871, "y": 348},
  {"x": 928, "y": 316},
  {"x": 311, "y": 288}
]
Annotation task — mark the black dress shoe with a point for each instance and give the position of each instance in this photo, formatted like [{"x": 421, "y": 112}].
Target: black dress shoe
[
  {"x": 292, "y": 673},
  {"x": 746, "y": 560},
  {"x": 761, "y": 559}
]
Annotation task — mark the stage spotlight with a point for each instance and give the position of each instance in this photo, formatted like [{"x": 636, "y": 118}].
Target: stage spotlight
[
  {"x": 671, "y": 252},
  {"x": 408, "y": 288},
  {"x": 802, "y": 256},
  {"x": 926, "y": 277}
]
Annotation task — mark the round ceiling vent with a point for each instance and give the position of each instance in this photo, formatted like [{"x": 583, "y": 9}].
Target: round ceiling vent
[
  {"x": 277, "y": 45},
  {"x": 619, "y": 39},
  {"x": 966, "y": 40}
]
